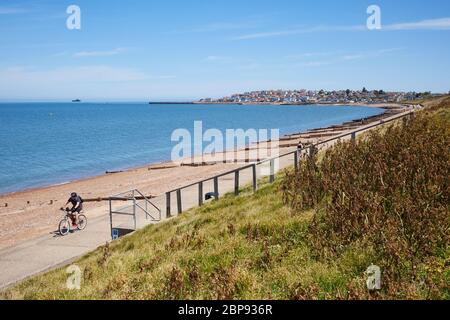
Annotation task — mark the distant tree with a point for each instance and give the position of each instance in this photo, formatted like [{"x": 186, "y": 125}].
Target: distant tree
[
  {"x": 423, "y": 94},
  {"x": 321, "y": 92},
  {"x": 364, "y": 90},
  {"x": 381, "y": 92},
  {"x": 348, "y": 92}
]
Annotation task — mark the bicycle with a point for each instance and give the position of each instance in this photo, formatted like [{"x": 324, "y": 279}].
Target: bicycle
[{"x": 65, "y": 225}]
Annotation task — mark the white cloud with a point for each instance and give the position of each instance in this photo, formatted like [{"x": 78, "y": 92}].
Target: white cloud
[
  {"x": 431, "y": 24},
  {"x": 339, "y": 58},
  {"x": 353, "y": 57},
  {"x": 84, "y": 74},
  {"x": 10, "y": 10},
  {"x": 298, "y": 31},
  {"x": 370, "y": 54},
  {"x": 309, "y": 55},
  {"x": 69, "y": 82},
  {"x": 314, "y": 64},
  {"x": 99, "y": 53},
  {"x": 98, "y": 82}
]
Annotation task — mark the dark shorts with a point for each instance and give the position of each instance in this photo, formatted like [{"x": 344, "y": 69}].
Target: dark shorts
[{"x": 77, "y": 210}]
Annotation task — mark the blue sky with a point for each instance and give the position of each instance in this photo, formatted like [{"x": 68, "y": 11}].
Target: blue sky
[{"x": 176, "y": 50}]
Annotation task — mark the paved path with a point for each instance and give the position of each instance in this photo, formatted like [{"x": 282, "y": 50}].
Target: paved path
[{"x": 50, "y": 251}]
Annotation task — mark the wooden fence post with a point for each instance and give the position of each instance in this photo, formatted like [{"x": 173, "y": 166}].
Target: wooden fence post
[
  {"x": 272, "y": 171},
  {"x": 296, "y": 160},
  {"x": 353, "y": 137},
  {"x": 255, "y": 186},
  {"x": 168, "y": 215},
  {"x": 216, "y": 188},
  {"x": 200, "y": 194},
  {"x": 179, "y": 206},
  {"x": 110, "y": 216},
  {"x": 311, "y": 151},
  {"x": 236, "y": 183}
]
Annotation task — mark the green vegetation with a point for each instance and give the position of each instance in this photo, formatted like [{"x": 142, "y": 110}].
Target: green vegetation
[
  {"x": 389, "y": 194},
  {"x": 384, "y": 201}
]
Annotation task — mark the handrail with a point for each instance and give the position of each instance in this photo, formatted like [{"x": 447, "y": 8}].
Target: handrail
[
  {"x": 138, "y": 198},
  {"x": 349, "y": 133},
  {"x": 212, "y": 178},
  {"x": 382, "y": 122},
  {"x": 148, "y": 201}
]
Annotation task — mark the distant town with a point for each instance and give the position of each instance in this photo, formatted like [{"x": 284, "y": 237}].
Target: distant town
[{"x": 318, "y": 97}]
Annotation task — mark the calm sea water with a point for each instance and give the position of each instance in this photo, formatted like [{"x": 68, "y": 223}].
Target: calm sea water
[{"x": 48, "y": 143}]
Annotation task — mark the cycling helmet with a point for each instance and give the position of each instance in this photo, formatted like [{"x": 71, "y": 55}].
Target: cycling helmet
[{"x": 73, "y": 194}]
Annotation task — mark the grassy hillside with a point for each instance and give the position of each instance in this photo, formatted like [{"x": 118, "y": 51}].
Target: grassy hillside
[{"x": 257, "y": 246}]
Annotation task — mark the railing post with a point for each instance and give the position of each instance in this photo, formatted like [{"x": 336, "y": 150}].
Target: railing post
[
  {"x": 179, "y": 207},
  {"x": 353, "y": 137},
  {"x": 405, "y": 122},
  {"x": 236, "y": 183},
  {"x": 272, "y": 171},
  {"x": 255, "y": 186},
  {"x": 134, "y": 211},
  {"x": 296, "y": 160},
  {"x": 216, "y": 188},
  {"x": 168, "y": 215},
  {"x": 146, "y": 209},
  {"x": 110, "y": 217},
  {"x": 311, "y": 151},
  {"x": 411, "y": 117},
  {"x": 200, "y": 193}
]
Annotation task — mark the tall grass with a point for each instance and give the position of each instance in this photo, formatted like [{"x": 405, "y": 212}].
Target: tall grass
[{"x": 387, "y": 193}]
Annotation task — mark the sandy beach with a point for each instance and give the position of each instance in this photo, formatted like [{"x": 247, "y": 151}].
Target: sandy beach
[{"x": 32, "y": 213}]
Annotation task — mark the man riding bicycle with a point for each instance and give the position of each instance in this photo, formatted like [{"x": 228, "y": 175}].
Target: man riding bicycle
[{"x": 77, "y": 206}]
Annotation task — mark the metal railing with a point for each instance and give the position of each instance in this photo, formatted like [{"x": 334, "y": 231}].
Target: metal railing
[
  {"x": 271, "y": 161},
  {"x": 138, "y": 202}
]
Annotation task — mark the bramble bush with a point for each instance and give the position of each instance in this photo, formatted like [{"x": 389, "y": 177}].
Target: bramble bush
[{"x": 389, "y": 192}]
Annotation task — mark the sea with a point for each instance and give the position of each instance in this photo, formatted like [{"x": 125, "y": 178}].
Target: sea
[{"x": 43, "y": 144}]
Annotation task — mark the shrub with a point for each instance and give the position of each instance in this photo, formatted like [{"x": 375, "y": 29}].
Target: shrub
[{"x": 388, "y": 191}]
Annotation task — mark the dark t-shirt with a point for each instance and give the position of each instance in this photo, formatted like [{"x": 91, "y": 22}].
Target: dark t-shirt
[{"x": 75, "y": 200}]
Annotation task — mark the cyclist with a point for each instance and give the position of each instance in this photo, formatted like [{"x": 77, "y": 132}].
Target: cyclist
[{"x": 77, "y": 206}]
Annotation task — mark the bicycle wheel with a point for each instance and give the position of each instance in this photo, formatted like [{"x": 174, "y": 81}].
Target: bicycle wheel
[
  {"x": 82, "y": 222},
  {"x": 64, "y": 227}
]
